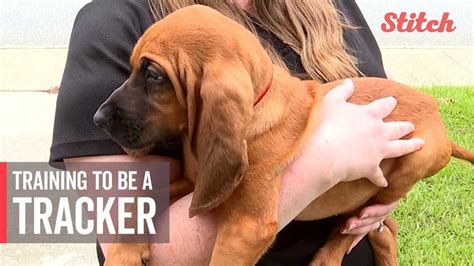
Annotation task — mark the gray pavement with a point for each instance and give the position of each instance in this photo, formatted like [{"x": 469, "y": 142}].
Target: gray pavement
[
  {"x": 25, "y": 135},
  {"x": 48, "y": 254},
  {"x": 27, "y": 119},
  {"x": 31, "y": 69},
  {"x": 428, "y": 67}
]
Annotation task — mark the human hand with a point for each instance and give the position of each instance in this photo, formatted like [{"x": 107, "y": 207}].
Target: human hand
[
  {"x": 369, "y": 219},
  {"x": 354, "y": 139}
]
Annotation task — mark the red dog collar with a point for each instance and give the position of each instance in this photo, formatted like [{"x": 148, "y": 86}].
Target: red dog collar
[{"x": 264, "y": 91}]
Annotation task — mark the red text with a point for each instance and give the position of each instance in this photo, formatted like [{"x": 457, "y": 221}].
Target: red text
[{"x": 416, "y": 22}]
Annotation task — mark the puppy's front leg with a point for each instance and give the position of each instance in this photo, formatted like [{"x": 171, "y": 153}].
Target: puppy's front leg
[
  {"x": 247, "y": 222},
  {"x": 123, "y": 253},
  {"x": 137, "y": 254}
]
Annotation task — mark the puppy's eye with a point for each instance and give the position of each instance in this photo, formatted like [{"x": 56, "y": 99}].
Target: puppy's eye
[{"x": 153, "y": 76}]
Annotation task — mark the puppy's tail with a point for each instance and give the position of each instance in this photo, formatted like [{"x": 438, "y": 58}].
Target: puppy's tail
[{"x": 461, "y": 153}]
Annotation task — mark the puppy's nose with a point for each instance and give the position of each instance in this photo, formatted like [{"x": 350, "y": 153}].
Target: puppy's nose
[{"x": 103, "y": 118}]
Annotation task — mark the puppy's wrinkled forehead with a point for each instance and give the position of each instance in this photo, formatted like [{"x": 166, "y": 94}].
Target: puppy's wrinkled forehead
[{"x": 197, "y": 30}]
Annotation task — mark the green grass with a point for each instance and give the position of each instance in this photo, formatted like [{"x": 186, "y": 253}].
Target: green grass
[{"x": 437, "y": 218}]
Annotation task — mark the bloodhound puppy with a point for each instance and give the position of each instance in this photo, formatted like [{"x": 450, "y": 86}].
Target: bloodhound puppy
[{"x": 242, "y": 120}]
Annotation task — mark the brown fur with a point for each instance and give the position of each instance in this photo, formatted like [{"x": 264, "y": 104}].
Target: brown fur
[{"x": 235, "y": 153}]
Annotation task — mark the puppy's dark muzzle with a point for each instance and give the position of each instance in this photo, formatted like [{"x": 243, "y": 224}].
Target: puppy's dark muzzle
[
  {"x": 111, "y": 119},
  {"x": 106, "y": 117}
]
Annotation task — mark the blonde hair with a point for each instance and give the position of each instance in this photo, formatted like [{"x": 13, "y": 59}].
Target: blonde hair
[{"x": 312, "y": 28}]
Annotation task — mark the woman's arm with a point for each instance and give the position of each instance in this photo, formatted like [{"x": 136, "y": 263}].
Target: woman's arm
[
  {"x": 338, "y": 153},
  {"x": 370, "y": 217}
]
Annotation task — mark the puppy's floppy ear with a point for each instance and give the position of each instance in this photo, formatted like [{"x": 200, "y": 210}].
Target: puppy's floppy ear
[{"x": 224, "y": 109}]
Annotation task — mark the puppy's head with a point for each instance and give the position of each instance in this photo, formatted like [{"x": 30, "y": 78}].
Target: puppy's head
[
  {"x": 195, "y": 74},
  {"x": 144, "y": 111}
]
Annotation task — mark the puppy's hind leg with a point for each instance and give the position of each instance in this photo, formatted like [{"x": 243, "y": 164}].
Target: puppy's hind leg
[
  {"x": 332, "y": 253},
  {"x": 384, "y": 244},
  {"x": 247, "y": 223}
]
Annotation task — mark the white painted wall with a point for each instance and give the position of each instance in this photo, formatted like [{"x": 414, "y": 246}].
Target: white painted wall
[
  {"x": 37, "y": 23},
  {"x": 47, "y": 23}
]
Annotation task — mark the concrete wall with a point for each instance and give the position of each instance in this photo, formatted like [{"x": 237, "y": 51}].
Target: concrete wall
[
  {"x": 37, "y": 23},
  {"x": 47, "y": 23}
]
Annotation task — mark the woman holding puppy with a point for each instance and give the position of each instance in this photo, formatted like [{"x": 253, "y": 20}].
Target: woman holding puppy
[{"x": 317, "y": 39}]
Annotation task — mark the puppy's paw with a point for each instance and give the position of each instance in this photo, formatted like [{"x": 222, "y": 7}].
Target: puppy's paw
[{"x": 128, "y": 254}]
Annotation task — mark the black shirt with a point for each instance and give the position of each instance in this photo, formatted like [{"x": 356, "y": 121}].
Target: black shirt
[{"x": 101, "y": 43}]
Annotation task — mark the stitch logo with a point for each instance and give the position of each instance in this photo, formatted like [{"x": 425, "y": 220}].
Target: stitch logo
[{"x": 416, "y": 22}]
